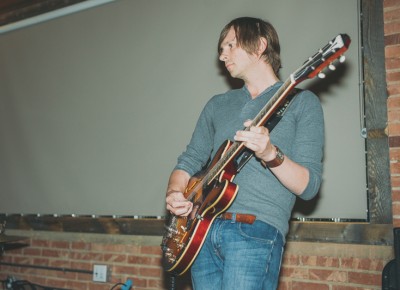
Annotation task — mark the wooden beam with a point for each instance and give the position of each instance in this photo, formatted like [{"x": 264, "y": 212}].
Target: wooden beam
[
  {"x": 375, "y": 103},
  {"x": 17, "y": 10},
  {"x": 332, "y": 232}
]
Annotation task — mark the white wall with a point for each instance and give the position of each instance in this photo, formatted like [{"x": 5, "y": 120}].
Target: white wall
[{"x": 96, "y": 106}]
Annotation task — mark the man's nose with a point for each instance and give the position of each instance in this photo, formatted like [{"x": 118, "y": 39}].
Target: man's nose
[{"x": 222, "y": 56}]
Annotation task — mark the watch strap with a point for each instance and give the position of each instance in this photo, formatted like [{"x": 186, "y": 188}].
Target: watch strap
[{"x": 278, "y": 160}]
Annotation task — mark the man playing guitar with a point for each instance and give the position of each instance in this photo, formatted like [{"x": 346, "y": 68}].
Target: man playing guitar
[{"x": 244, "y": 245}]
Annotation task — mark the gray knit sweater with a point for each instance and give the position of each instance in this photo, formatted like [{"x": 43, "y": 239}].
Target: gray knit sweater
[{"x": 300, "y": 135}]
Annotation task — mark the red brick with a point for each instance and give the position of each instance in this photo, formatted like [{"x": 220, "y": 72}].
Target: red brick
[
  {"x": 77, "y": 285},
  {"x": 396, "y": 195},
  {"x": 59, "y": 274},
  {"x": 295, "y": 272},
  {"x": 18, "y": 251},
  {"x": 328, "y": 275},
  {"x": 391, "y": 14},
  {"x": 320, "y": 261},
  {"x": 54, "y": 253},
  {"x": 7, "y": 271},
  {"x": 361, "y": 264},
  {"x": 395, "y": 181},
  {"x": 391, "y": 28},
  {"x": 38, "y": 280},
  {"x": 392, "y": 51},
  {"x": 393, "y": 76},
  {"x": 150, "y": 272},
  {"x": 56, "y": 283},
  {"x": 140, "y": 282},
  {"x": 131, "y": 249},
  {"x": 284, "y": 285},
  {"x": 129, "y": 270},
  {"x": 394, "y": 129},
  {"x": 114, "y": 258},
  {"x": 392, "y": 39},
  {"x": 393, "y": 115},
  {"x": 19, "y": 260},
  {"x": 81, "y": 245},
  {"x": 286, "y": 271},
  {"x": 396, "y": 208},
  {"x": 395, "y": 168},
  {"x": 144, "y": 260},
  {"x": 115, "y": 248},
  {"x": 60, "y": 244},
  {"x": 365, "y": 278},
  {"x": 98, "y": 286},
  {"x": 309, "y": 286},
  {"x": 82, "y": 265},
  {"x": 291, "y": 260},
  {"x": 40, "y": 261},
  {"x": 32, "y": 252},
  {"x": 390, "y": 3},
  {"x": 152, "y": 250},
  {"x": 7, "y": 258},
  {"x": 60, "y": 263},
  {"x": 392, "y": 63},
  {"x": 40, "y": 243},
  {"x": 393, "y": 90},
  {"x": 156, "y": 284},
  {"x": 84, "y": 277},
  {"x": 340, "y": 287},
  {"x": 86, "y": 256}
]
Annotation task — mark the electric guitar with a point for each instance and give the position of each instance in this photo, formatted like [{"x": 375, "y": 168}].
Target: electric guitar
[{"x": 212, "y": 191}]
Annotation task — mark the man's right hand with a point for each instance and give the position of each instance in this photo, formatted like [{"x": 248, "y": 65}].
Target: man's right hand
[{"x": 178, "y": 204}]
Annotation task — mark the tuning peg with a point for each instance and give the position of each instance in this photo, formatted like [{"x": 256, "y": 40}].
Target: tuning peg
[
  {"x": 342, "y": 58},
  {"x": 332, "y": 67},
  {"x": 321, "y": 75}
]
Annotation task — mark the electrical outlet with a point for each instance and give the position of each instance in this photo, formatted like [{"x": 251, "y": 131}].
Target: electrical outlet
[{"x": 100, "y": 273}]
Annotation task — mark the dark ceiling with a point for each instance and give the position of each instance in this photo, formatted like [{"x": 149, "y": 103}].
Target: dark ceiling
[{"x": 17, "y": 10}]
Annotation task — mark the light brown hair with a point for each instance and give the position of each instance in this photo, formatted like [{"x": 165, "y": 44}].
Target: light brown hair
[{"x": 248, "y": 32}]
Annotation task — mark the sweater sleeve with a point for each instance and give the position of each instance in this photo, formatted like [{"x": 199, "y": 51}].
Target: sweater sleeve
[
  {"x": 199, "y": 149},
  {"x": 309, "y": 141}
]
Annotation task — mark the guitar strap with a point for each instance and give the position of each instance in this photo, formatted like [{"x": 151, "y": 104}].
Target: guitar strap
[{"x": 247, "y": 154}]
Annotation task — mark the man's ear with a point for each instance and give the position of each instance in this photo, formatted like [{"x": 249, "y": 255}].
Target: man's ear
[{"x": 262, "y": 46}]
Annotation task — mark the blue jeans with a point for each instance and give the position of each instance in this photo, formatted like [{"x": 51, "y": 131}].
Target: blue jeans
[{"x": 239, "y": 256}]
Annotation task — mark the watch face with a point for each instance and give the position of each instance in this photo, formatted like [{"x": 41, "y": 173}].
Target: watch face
[
  {"x": 278, "y": 159},
  {"x": 279, "y": 154}
]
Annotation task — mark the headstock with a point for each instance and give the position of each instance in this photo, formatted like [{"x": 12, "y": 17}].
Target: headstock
[{"x": 323, "y": 58}]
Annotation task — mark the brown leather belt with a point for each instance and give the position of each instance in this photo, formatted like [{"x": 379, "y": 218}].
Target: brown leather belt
[{"x": 239, "y": 217}]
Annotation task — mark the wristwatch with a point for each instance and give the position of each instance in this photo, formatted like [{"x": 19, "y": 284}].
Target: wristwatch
[{"x": 278, "y": 160}]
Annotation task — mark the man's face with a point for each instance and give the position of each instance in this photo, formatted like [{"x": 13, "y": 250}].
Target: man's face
[{"x": 237, "y": 61}]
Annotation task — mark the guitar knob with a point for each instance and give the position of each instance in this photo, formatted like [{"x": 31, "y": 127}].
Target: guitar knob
[
  {"x": 321, "y": 75},
  {"x": 180, "y": 245},
  {"x": 332, "y": 67},
  {"x": 172, "y": 231},
  {"x": 342, "y": 59}
]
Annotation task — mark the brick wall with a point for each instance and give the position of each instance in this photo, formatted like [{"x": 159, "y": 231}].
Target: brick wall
[
  {"x": 127, "y": 257},
  {"x": 305, "y": 265},
  {"x": 392, "y": 54}
]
